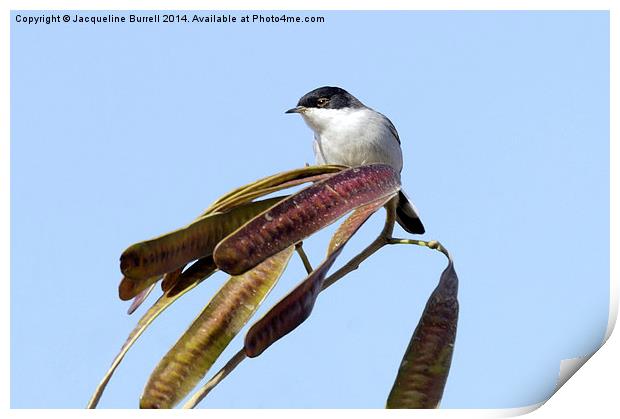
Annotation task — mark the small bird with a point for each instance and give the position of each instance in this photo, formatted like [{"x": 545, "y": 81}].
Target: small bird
[{"x": 350, "y": 133}]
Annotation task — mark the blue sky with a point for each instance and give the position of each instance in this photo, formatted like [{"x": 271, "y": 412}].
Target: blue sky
[{"x": 123, "y": 132}]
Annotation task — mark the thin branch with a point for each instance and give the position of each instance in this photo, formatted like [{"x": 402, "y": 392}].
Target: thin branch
[
  {"x": 355, "y": 262},
  {"x": 433, "y": 244},
  {"x": 304, "y": 257},
  {"x": 215, "y": 380},
  {"x": 377, "y": 244}
]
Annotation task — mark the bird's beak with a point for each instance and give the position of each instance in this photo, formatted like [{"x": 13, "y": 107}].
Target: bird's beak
[{"x": 296, "y": 109}]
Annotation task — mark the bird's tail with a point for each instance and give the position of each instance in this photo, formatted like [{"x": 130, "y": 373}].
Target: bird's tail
[{"x": 407, "y": 215}]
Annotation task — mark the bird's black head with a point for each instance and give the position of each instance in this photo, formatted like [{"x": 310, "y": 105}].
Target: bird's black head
[{"x": 327, "y": 97}]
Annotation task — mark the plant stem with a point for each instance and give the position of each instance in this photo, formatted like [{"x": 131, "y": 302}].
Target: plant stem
[
  {"x": 355, "y": 262},
  {"x": 433, "y": 244},
  {"x": 377, "y": 244},
  {"x": 384, "y": 238}
]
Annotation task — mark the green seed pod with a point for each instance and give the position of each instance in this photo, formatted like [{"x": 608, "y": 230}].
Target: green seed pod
[
  {"x": 143, "y": 263},
  {"x": 155, "y": 310},
  {"x": 425, "y": 366},
  {"x": 196, "y": 351},
  {"x": 272, "y": 184},
  {"x": 246, "y": 197}
]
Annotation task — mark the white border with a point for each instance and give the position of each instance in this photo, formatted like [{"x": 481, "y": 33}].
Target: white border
[{"x": 590, "y": 391}]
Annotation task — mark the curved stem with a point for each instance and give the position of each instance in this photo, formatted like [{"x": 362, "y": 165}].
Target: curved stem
[
  {"x": 433, "y": 244},
  {"x": 377, "y": 244},
  {"x": 355, "y": 262}
]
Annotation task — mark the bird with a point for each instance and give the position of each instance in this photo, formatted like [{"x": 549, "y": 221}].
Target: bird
[{"x": 350, "y": 133}]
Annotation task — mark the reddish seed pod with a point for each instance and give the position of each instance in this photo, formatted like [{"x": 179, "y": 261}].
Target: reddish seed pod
[
  {"x": 296, "y": 307},
  {"x": 288, "y": 313},
  {"x": 302, "y": 214}
]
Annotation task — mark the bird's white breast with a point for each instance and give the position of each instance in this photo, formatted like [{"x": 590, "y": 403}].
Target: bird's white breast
[{"x": 353, "y": 137}]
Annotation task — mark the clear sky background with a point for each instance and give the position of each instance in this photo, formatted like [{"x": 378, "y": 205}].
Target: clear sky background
[{"x": 122, "y": 132}]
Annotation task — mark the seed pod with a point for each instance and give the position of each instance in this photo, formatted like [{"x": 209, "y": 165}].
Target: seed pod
[
  {"x": 201, "y": 268},
  {"x": 192, "y": 356},
  {"x": 144, "y": 262},
  {"x": 131, "y": 288},
  {"x": 424, "y": 369},
  {"x": 171, "y": 278},
  {"x": 246, "y": 197},
  {"x": 272, "y": 184},
  {"x": 139, "y": 299},
  {"x": 350, "y": 226},
  {"x": 302, "y": 214},
  {"x": 293, "y": 309},
  {"x": 155, "y": 310}
]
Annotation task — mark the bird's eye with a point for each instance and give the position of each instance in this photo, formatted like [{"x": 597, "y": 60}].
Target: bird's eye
[{"x": 322, "y": 102}]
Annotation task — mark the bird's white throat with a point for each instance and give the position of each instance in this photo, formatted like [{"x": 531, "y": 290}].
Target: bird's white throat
[
  {"x": 321, "y": 120},
  {"x": 353, "y": 136}
]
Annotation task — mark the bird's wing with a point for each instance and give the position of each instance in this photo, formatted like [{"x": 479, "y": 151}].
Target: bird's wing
[
  {"x": 318, "y": 152},
  {"x": 392, "y": 128}
]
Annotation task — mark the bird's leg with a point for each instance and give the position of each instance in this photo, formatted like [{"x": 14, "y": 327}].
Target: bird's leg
[{"x": 304, "y": 258}]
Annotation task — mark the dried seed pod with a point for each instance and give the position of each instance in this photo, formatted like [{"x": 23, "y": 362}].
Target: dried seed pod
[
  {"x": 344, "y": 232},
  {"x": 253, "y": 194},
  {"x": 155, "y": 310},
  {"x": 302, "y": 214},
  {"x": 272, "y": 184},
  {"x": 194, "y": 353},
  {"x": 293, "y": 309},
  {"x": 425, "y": 366},
  {"x": 170, "y": 279},
  {"x": 139, "y": 299},
  {"x": 131, "y": 288},
  {"x": 289, "y": 313},
  {"x": 143, "y": 263},
  {"x": 196, "y": 272}
]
